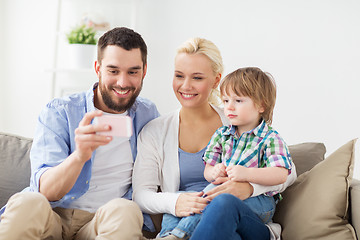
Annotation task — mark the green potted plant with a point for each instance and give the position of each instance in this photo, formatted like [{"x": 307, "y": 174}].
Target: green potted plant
[
  {"x": 82, "y": 35},
  {"x": 82, "y": 45}
]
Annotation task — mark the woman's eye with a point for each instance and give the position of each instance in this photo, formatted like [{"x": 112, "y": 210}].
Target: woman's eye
[
  {"x": 178, "y": 76},
  {"x": 198, "y": 78}
]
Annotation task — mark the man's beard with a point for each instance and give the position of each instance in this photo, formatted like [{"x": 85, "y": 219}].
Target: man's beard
[{"x": 123, "y": 104}]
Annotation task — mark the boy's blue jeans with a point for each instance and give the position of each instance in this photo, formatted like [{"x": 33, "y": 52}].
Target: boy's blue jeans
[
  {"x": 227, "y": 217},
  {"x": 263, "y": 206}
]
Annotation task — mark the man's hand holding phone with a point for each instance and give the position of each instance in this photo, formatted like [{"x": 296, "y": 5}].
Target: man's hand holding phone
[
  {"x": 89, "y": 136},
  {"x": 120, "y": 126},
  {"x": 86, "y": 138}
]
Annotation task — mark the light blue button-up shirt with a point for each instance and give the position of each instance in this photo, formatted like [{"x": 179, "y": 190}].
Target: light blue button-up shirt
[{"x": 54, "y": 138}]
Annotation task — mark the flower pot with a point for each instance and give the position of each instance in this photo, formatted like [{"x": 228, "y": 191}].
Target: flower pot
[{"x": 81, "y": 55}]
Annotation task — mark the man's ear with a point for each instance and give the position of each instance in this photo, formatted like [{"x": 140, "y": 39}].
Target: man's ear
[
  {"x": 97, "y": 67},
  {"x": 145, "y": 69},
  {"x": 217, "y": 80}
]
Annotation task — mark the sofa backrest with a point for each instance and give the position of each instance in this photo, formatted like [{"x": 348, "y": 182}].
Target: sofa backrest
[
  {"x": 15, "y": 162},
  {"x": 307, "y": 155},
  {"x": 14, "y": 165}
]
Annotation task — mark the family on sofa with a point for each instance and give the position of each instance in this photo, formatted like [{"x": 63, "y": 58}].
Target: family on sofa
[{"x": 83, "y": 180}]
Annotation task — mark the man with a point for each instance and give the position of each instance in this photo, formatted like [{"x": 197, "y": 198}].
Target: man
[{"x": 76, "y": 192}]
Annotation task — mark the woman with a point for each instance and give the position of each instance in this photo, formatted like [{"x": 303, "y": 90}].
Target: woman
[{"x": 170, "y": 148}]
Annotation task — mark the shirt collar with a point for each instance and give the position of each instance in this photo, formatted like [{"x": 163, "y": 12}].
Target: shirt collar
[
  {"x": 90, "y": 106},
  {"x": 259, "y": 131},
  {"x": 231, "y": 130}
]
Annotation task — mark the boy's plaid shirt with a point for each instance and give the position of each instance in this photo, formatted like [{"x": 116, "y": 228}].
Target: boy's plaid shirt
[{"x": 260, "y": 147}]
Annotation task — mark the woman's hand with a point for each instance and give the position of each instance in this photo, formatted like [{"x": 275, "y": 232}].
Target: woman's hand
[
  {"x": 190, "y": 203},
  {"x": 242, "y": 190}
]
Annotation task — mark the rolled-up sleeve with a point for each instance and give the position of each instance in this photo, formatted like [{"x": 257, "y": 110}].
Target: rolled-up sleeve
[
  {"x": 277, "y": 153},
  {"x": 213, "y": 152},
  {"x": 50, "y": 145}
]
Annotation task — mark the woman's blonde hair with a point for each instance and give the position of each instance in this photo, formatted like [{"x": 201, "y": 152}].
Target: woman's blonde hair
[
  {"x": 209, "y": 49},
  {"x": 254, "y": 83}
]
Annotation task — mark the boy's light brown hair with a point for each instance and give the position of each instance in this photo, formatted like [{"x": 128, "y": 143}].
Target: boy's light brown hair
[{"x": 254, "y": 83}]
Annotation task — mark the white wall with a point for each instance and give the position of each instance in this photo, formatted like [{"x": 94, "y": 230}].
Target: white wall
[
  {"x": 310, "y": 47},
  {"x": 28, "y": 36}
]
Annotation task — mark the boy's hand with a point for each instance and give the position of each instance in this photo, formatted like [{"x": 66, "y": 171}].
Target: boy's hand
[
  {"x": 219, "y": 170},
  {"x": 237, "y": 173}
]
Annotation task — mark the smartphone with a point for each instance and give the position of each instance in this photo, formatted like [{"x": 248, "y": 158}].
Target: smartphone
[{"x": 121, "y": 126}]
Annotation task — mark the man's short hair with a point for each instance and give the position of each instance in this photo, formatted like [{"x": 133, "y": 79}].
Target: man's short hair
[{"x": 122, "y": 37}]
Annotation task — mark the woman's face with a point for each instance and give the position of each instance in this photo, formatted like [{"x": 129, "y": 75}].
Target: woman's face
[{"x": 193, "y": 79}]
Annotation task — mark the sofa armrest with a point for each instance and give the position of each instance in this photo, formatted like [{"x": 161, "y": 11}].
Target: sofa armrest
[{"x": 355, "y": 205}]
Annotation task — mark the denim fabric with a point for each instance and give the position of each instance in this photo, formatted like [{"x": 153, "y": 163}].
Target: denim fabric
[
  {"x": 234, "y": 221},
  {"x": 263, "y": 206},
  {"x": 180, "y": 227}
]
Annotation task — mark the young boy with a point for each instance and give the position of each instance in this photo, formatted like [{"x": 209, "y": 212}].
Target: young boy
[{"x": 248, "y": 149}]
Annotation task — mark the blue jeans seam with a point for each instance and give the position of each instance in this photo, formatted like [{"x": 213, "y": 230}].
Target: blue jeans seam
[{"x": 179, "y": 233}]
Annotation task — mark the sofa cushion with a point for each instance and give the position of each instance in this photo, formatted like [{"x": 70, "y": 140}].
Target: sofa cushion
[
  {"x": 316, "y": 205},
  {"x": 355, "y": 207},
  {"x": 14, "y": 165},
  {"x": 307, "y": 155}
]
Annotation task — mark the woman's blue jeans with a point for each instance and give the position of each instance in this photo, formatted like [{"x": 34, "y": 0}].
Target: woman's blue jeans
[
  {"x": 262, "y": 207},
  {"x": 227, "y": 217}
]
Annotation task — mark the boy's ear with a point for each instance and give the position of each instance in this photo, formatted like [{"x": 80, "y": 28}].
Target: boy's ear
[{"x": 261, "y": 109}]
